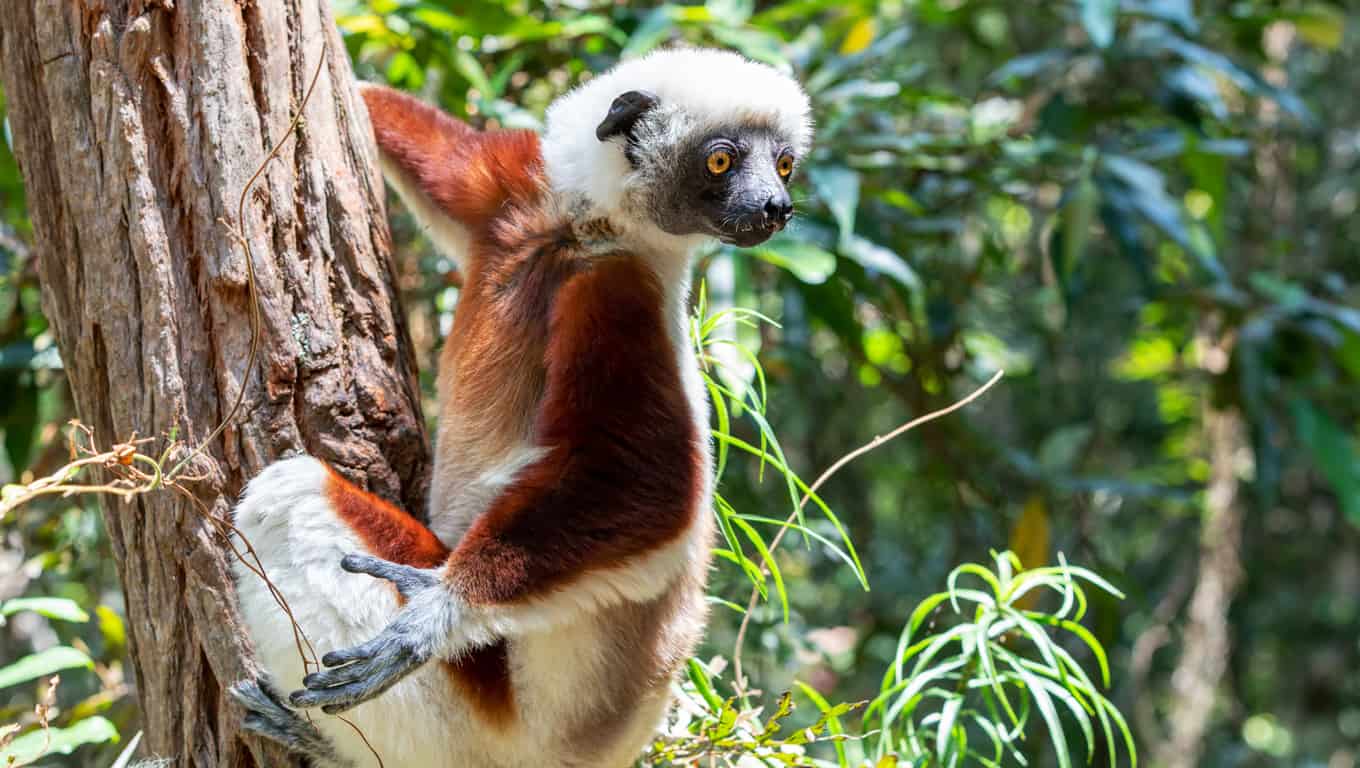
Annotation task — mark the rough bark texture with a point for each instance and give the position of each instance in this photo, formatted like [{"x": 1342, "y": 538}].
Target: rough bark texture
[{"x": 137, "y": 123}]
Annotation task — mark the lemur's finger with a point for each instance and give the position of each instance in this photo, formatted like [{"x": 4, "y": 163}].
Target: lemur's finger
[
  {"x": 406, "y": 578},
  {"x": 347, "y": 655},
  {"x": 349, "y": 673},
  {"x": 343, "y": 695},
  {"x": 373, "y": 566}
]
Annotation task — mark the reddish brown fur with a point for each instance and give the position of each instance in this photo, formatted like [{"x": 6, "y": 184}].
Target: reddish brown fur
[
  {"x": 483, "y": 675},
  {"x": 391, "y": 534},
  {"x": 551, "y": 345},
  {"x": 386, "y": 531},
  {"x": 614, "y": 420},
  {"x": 469, "y": 174}
]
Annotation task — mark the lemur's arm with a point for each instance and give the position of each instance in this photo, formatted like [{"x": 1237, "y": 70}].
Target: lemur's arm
[
  {"x": 602, "y": 516},
  {"x": 453, "y": 177}
]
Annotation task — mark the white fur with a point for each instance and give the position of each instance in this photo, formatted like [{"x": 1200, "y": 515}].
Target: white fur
[
  {"x": 287, "y": 518},
  {"x": 702, "y": 87},
  {"x": 460, "y": 493},
  {"x": 698, "y": 89},
  {"x": 448, "y": 235},
  {"x": 421, "y": 721}
]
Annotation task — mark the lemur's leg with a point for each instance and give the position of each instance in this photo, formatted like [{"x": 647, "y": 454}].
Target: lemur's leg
[{"x": 302, "y": 519}]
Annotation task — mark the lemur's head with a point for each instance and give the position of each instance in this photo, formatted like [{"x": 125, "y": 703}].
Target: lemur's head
[{"x": 693, "y": 141}]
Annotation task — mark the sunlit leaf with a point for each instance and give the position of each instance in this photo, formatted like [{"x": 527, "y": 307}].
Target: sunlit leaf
[
  {"x": 1320, "y": 25},
  {"x": 877, "y": 258},
  {"x": 838, "y": 188},
  {"x": 52, "y": 607},
  {"x": 63, "y": 741},
  {"x": 1030, "y": 538},
  {"x": 806, "y": 261},
  {"x": 860, "y": 36},
  {"x": 42, "y": 664}
]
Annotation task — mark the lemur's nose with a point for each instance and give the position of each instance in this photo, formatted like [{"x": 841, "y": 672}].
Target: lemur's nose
[{"x": 779, "y": 208}]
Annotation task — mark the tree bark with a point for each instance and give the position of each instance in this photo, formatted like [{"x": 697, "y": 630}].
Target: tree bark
[
  {"x": 137, "y": 124},
  {"x": 1206, "y": 645}
]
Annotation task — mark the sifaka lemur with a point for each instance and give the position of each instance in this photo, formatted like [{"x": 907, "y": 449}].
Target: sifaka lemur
[{"x": 540, "y": 618}]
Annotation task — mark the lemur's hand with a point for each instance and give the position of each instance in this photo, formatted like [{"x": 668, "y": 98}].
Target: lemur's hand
[{"x": 419, "y": 631}]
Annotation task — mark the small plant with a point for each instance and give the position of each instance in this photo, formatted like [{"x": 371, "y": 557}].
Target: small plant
[
  {"x": 966, "y": 693},
  {"x": 742, "y": 530},
  {"x": 960, "y": 694},
  {"x": 707, "y": 728}
]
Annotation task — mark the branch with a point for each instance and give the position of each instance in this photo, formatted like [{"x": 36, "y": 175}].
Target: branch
[{"x": 739, "y": 679}]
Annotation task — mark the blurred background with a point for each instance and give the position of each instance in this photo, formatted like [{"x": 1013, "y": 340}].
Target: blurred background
[{"x": 1146, "y": 211}]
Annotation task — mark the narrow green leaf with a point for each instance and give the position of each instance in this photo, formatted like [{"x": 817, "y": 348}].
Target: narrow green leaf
[
  {"x": 52, "y": 607},
  {"x": 42, "y": 664},
  {"x": 698, "y": 675},
  {"x": 64, "y": 741}
]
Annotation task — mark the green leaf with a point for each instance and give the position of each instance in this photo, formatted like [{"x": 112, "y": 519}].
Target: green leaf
[
  {"x": 1178, "y": 12},
  {"x": 52, "y": 607},
  {"x": 756, "y": 44},
  {"x": 1133, "y": 186},
  {"x": 876, "y": 258},
  {"x": 1082, "y": 201},
  {"x": 64, "y": 741},
  {"x": 403, "y": 70},
  {"x": 1349, "y": 354},
  {"x": 1098, "y": 17},
  {"x": 698, "y": 675},
  {"x": 838, "y": 188},
  {"x": 806, "y": 261},
  {"x": 1063, "y": 448},
  {"x": 1334, "y": 452},
  {"x": 42, "y": 664},
  {"x": 832, "y": 717},
  {"x": 1320, "y": 25},
  {"x": 466, "y": 65},
  {"x": 654, "y": 29},
  {"x": 126, "y": 756}
]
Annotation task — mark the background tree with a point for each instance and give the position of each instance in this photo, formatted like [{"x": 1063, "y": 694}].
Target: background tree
[{"x": 137, "y": 127}]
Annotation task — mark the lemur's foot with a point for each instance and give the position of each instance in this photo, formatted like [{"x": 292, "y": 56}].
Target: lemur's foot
[{"x": 268, "y": 716}]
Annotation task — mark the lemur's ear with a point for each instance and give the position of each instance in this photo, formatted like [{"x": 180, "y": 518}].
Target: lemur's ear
[{"x": 624, "y": 113}]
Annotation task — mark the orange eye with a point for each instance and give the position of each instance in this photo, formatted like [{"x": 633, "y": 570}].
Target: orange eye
[
  {"x": 719, "y": 161},
  {"x": 785, "y": 166}
]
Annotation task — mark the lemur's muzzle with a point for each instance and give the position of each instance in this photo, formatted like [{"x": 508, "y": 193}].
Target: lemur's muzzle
[{"x": 758, "y": 223}]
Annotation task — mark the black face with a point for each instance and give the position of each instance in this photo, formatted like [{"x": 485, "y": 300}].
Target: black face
[
  {"x": 731, "y": 183},
  {"x": 736, "y": 184}
]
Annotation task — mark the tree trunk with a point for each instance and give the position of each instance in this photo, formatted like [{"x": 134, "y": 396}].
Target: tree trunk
[
  {"x": 137, "y": 124},
  {"x": 1206, "y": 645}
]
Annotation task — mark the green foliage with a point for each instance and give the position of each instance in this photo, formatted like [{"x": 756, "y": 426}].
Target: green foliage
[
  {"x": 22, "y": 748},
  {"x": 59, "y": 741},
  {"x": 736, "y": 395},
  {"x": 707, "y": 726},
  {"x": 945, "y": 700}
]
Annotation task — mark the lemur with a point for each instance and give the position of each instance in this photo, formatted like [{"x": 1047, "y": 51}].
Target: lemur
[{"x": 540, "y": 618}]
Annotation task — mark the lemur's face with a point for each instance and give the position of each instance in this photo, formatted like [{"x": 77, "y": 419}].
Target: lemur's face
[
  {"x": 733, "y": 183},
  {"x": 729, "y": 181}
]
